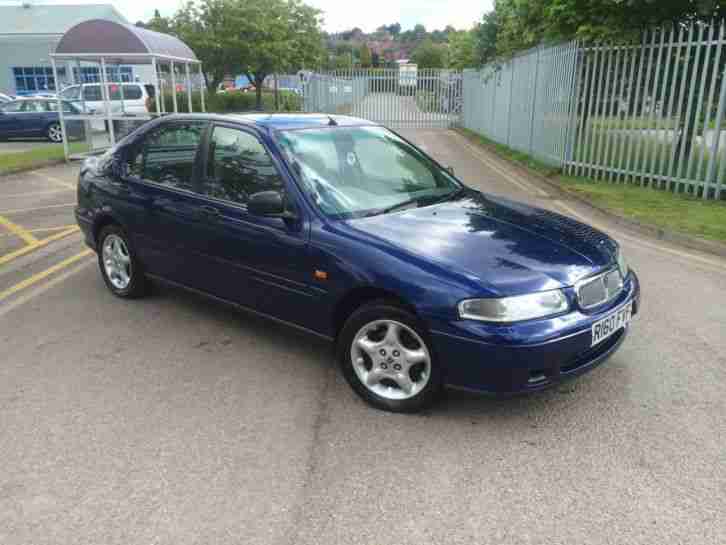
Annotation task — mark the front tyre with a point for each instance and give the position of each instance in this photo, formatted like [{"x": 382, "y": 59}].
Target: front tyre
[
  {"x": 386, "y": 357},
  {"x": 120, "y": 268}
]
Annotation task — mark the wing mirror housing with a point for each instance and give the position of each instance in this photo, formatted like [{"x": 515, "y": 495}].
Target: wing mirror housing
[{"x": 269, "y": 204}]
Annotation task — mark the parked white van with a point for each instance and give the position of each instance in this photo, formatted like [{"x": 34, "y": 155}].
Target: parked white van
[{"x": 136, "y": 97}]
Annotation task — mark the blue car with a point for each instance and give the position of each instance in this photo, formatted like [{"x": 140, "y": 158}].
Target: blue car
[
  {"x": 37, "y": 117},
  {"x": 342, "y": 228}
]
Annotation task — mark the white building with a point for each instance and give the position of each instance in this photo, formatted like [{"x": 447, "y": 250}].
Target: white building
[{"x": 29, "y": 32}]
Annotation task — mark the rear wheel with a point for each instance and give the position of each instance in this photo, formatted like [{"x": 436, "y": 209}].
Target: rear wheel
[
  {"x": 121, "y": 270},
  {"x": 386, "y": 357},
  {"x": 54, "y": 133}
]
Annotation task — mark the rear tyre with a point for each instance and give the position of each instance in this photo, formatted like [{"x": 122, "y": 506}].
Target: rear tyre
[
  {"x": 54, "y": 133},
  {"x": 386, "y": 356},
  {"x": 121, "y": 270}
]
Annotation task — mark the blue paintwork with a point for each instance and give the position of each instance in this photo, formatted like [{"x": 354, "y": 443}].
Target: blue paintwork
[
  {"x": 430, "y": 258},
  {"x": 33, "y": 124}
]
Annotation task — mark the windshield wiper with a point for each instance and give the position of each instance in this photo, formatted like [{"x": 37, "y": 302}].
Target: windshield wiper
[{"x": 400, "y": 206}]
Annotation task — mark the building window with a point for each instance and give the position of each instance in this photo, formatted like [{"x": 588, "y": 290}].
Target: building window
[
  {"x": 92, "y": 74},
  {"x": 35, "y": 79}
]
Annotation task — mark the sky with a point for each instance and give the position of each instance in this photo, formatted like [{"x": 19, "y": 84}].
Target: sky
[{"x": 338, "y": 15}]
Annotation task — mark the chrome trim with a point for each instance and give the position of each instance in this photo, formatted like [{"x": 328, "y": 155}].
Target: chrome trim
[{"x": 586, "y": 281}]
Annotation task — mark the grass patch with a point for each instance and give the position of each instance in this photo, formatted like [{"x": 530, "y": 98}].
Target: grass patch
[
  {"x": 36, "y": 158},
  {"x": 674, "y": 212},
  {"x": 680, "y": 212}
]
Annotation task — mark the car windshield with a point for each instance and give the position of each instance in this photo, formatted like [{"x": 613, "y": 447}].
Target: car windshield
[{"x": 353, "y": 172}]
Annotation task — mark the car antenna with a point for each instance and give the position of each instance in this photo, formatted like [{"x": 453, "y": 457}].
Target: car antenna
[{"x": 332, "y": 122}]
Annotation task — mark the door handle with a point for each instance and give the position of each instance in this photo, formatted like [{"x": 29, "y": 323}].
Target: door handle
[{"x": 209, "y": 211}]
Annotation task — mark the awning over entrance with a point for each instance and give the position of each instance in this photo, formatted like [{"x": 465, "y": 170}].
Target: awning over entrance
[{"x": 121, "y": 43}]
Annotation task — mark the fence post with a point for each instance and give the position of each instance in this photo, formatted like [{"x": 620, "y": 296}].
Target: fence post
[{"x": 534, "y": 104}]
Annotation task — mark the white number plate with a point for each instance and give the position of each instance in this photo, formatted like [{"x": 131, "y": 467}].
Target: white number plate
[{"x": 607, "y": 327}]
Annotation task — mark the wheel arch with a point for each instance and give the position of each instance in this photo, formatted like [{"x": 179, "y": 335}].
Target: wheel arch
[
  {"x": 102, "y": 220},
  {"x": 359, "y": 296}
]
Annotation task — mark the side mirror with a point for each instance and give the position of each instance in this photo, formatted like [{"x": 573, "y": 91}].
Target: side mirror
[{"x": 268, "y": 203}]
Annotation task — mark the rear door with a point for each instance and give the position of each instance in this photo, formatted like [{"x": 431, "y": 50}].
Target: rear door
[{"x": 163, "y": 202}]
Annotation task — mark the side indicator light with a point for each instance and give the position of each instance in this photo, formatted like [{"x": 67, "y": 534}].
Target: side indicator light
[{"x": 321, "y": 275}]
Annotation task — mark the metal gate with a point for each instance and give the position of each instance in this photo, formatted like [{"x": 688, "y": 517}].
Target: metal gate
[{"x": 405, "y": 98}]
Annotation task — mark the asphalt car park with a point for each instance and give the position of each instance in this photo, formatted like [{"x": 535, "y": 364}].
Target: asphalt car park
[{"x": 177, "y": 420}]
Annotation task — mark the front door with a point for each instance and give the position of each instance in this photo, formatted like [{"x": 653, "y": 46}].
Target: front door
[{"x": 272, "y": 252}]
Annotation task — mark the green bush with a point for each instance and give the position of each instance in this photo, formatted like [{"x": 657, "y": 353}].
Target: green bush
[{"x": 232, "y": 102}]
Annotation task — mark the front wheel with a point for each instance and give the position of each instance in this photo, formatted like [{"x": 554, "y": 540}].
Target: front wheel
[
  {"x": 386, "y": 357},
  {"x": 54, "y": 133}
]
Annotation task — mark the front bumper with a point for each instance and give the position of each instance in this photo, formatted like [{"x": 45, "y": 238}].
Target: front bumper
[{"x": 530, "y": 356}]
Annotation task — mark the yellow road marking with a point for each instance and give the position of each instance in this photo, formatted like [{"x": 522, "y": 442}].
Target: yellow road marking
[
  {"x": 39, "y": 290},
  {"x": 42, "y": 275},
  {"x": 36, "y": 193},
  {"x": 43, "y": 230},
  {"x": 20, "y": 210},
  {"x": 54, "y": 180},
  {"x": 38, "y": 244},
  {"x": 17, "y": 230}
]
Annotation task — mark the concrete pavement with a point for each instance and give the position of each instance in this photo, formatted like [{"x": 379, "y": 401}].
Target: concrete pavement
[{"x": 174, "y": 420}]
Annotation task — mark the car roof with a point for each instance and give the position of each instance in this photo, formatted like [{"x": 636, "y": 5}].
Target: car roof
[{"x": 286, "y": 121}]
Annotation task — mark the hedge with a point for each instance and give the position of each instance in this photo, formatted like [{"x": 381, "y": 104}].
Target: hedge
[{"x": 232, "y": 102}]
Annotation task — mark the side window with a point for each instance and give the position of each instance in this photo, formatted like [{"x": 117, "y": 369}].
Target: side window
[
  {"x": 167, "y": 156},
  {"x": 132, "y": 92},
  {"x": 12, "y": 107},
  {"x": 239, "y": 166},
  {"x": 92, "y": 93},
  {"x": 33, "y": 106}
]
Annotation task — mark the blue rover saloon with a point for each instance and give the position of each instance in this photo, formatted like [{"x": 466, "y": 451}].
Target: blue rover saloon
[{"x": 344, "y": 229}]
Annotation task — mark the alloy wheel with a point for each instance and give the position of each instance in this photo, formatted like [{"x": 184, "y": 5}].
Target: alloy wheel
[
  {"x": 117, "y": 261},
  {"x": 391, "y": 360},
  {"x": 55, "y": 133}
]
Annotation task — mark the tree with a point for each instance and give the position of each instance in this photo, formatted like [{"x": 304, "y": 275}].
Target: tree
[
  {"x": 525, "y": 23},
  {"x": 462, "y": 50},
  {"x": 157, "y": 23},
  {"x": 430, "y": 55},
  {"x": 394, "y": 29},
  {"x": 365, "y": 56},
  {"x": 485, "y": 38},
  {"x": 255, "y": 37}
]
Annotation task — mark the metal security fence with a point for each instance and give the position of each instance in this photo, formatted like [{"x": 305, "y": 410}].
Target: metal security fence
[
  {"x": 400, "y": 98},
  {"x": 653, "y": 114},
  {"x": 526, "y": 103},
  {"x": 650, "y": 114}
]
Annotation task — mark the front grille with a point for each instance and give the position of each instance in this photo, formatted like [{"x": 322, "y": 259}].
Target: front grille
[{"x": 599, "y": 290}]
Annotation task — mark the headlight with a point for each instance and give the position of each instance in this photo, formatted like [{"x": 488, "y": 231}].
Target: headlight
[
  {"x": 622, "y": 264},
  {"x": 514, "y": 309}
]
